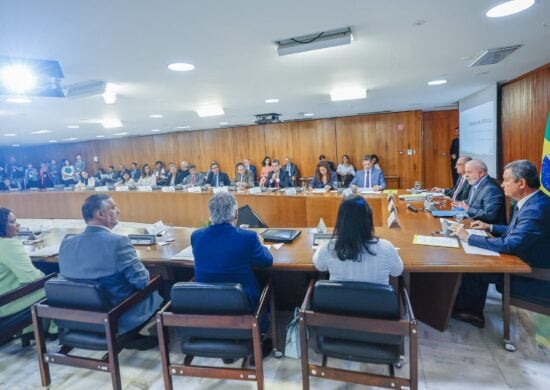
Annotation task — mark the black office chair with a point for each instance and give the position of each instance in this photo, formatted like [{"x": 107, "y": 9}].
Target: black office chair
[
  {"x": 13, "y": 324},
  {"x": 86, "y": 320},
  {"x": 247, "y": 216},
  {"x": 361, "y": 322},
  {"x": 215, "y": 321}
]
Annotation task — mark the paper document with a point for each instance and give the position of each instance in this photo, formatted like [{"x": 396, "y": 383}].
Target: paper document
[
  {"x": 390, "y": 192},
  {"x": 478, "y": 232},
  {"x": 368, "y": 191},
  {"x": 318, "y": 190},
  {"x": 47, "y": 251},
  {"x": 278, "y": 246},
  {"x": 473, "y": 250},
  {"x": 185, "y": 254},
  {"x": 447, "y": 242}
]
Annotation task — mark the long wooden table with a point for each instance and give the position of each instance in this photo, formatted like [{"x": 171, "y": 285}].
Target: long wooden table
[{"x": 182, "y": 208}]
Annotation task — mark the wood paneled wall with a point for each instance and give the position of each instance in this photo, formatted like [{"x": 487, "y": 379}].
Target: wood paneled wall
[
  {"x": 387, "y": 135},
  {"x": 525, "y": 104},
  {"x": 439, "y": 131}
]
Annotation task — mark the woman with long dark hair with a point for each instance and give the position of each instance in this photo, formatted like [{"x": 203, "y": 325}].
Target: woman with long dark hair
[
  {"x": 324, "y": 177},
  {"x": 266, "y": 167},
  {"x": 354, "y": 252}
]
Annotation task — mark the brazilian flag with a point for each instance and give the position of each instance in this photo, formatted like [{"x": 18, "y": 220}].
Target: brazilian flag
[{"x": 545, "y": 171}]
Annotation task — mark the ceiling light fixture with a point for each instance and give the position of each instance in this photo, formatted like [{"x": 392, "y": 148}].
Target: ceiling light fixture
[
  {"x": 155, "y": 116},
  {"x": 18, "y": 100},
  {"x": 181, "y": 67},
  {"x": 308, "y": 114},
  {"x": 272, "y": 100},
  {"x": 350, "y": 93},
  {"x": 73, "y": 127},
  {"x": 17, "y": 78},
  {"x": 207, "y": 111},
  {"x": 316, "y": 41},
  {"x": 41, "y": 132},
  {"x": 52, "y": 141},
  {"x": 155, "y": 130},
  {"x": 224, "y": 123},
  {"x": 437, "y": 82},
  {"x": 9, "y": 134},
  {"x": 110, "y": 94},
  {"x": 509, "y": 8},
  {"x": 70, "y": 139},
  {"x": 100, "y": 136},
  {"x": 183, "y": 127},
  {"x": 123, "y": 133},
  {"x": 111, "y": 123},
  {"x": 16, "y": 145}
]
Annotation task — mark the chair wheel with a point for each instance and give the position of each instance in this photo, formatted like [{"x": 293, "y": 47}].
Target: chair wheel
[
  {"x": 509, "y": 346},
  {"x": 278, "y": 354}
]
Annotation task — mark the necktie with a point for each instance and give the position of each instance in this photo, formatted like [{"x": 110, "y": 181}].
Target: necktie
[
  {"x": 512, "y": 222},
  {"x": 217, "y": 181},
  {"x": 367, "y": 179},
  {"x": 288, "y": 169},
  {"x": 458, "y": 188},
  {"x": 471, "y": 196},
  {"x": 193, "y": 180}
]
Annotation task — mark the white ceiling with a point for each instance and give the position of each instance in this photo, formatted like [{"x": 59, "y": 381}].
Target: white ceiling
[{"x": 231, "y": 43}]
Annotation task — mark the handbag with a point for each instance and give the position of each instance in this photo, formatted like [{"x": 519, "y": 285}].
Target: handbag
[{"x": 292, "y": 342}]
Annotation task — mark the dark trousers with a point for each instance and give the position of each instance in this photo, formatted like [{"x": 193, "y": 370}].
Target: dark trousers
[
  {"x": 473, "y": 292},
  {"x": 453, "y": 171}
]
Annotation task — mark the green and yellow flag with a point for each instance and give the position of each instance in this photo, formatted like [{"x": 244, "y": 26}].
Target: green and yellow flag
[{"x": 545, "y": 171}]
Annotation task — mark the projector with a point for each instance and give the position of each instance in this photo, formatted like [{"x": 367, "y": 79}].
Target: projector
[{"x": 264, "y": 119}]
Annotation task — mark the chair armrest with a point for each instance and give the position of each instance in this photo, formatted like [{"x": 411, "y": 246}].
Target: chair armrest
[
  {"x": 307, "y": 298},
  {"x": 538, "y": 273},
  {"x": 125, "y": 305},
  {"x": 406, "y": 300},
  {"x": 24, "y": 290},
  {"x": 266, "y": 292}
]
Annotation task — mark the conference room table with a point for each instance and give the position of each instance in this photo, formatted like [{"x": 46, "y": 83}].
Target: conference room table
[{"x": 433, "y": 274}]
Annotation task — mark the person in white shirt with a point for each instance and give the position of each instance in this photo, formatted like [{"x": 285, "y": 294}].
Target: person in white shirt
[
  {"x": 147, "y": 178},
  {"x": 345, "y": 170},
  {"x": 354, "y": 253}
]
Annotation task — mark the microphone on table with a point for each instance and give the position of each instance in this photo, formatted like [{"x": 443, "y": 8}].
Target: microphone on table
[{"x": 412, "y": 208}]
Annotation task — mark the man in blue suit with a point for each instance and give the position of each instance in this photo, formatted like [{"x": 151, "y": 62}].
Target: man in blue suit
[
  {"x": 215, "y": 177},
  {"x": 527, "y": 236},
  {"x": 277, "y": 178},
  {"x": 110, "y": 259},
  {"x": 369, "y": 177},
  {"x": 486, "y": 200}
]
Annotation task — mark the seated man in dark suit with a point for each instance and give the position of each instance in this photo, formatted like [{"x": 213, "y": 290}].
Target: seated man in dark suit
[
  {"x": 486, "y": 199},
  {"x": 102, "y": 256},
  {"x": 527, "y": 236},
  {"x": 174, "y": 176},
  {"x": 215, "y": 177},
  {"x": 291, "y": 169},
  {"x": 368, "y": 177},
  {"x": 277, "y": 178},
  {"x": 243, "y": 178},
  {"x": 251, "y": 168},
  {"x": 461, "y": 189},
  {"x": 226, "y": 254},
  {"x": 195, "y": 178}
]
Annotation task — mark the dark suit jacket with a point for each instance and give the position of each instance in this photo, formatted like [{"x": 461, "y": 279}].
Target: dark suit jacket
[
  {"x": 319, "y": 184},
  {"x": 528, "y": 237},
  {"x": 488, "y": 204},
  {"x": 179, "y": 178},
  {"x": 224, "y": 253},
  {"x": 464, "y": 191},
  {"x": 293, "y": 169},
  {"x": 102, "y": 256},
  {"x": 252, "y": 168},
  {"x": 223, "y": 179},
  {"x": 284, "y": 180}
]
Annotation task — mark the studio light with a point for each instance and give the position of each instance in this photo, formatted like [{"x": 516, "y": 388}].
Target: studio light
[
  {"x": 18, "y": 79},
  {"x": 25, "y": 77}
]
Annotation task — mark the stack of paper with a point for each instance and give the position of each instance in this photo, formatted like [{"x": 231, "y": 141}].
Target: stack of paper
[
  {"x": 185, "y": 254},
  {"x": 47, "y": 251},
  {"x": 447, "y": 242},
  {"x": 472, "y": 250}
]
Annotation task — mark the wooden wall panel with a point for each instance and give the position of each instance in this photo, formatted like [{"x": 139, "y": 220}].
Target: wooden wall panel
[
  {"x": 525, "y": 104},
  {"x": 279, "y": 143},
  {"x": 249, "y": 142},
  {"x": 439, "y": 131},
  {"x": 313, "y": 138}
]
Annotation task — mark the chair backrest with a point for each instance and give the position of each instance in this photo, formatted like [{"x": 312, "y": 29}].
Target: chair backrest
[
  {"x": 357, "y": 299},
  {"x": 248, "y": 217},
  {"x": 78, "y": 295},
  {"x": 211, "y": 299}
]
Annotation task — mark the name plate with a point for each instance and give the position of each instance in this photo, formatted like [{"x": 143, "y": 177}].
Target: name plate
[
  {"x": 393, "y": 221},
  {"x": 145, "y": 188},
  {"x": 255, "y": 190},
  {"x": 156, "y": 228},
  {"x": 102, "y": 189},
  {"x": 390, "y": 196},
  {"x": 220, "y": 189},
  {"x": 168, "y": 189},
  {"x": 347, "y": 192},
  {"x": 290, "y": 191},
  {"x": 122, "y": 189},
  {"x": 195, "y": 189},
  {"x": 391, "y": 206}
]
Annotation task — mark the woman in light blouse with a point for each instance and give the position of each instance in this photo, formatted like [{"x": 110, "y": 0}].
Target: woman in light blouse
[
  {"x": 266, "y": 167},
  {"x": 147, "y": 178},
  {"x": 346, "y": 170},
  {"x": 68, "y": 173}
]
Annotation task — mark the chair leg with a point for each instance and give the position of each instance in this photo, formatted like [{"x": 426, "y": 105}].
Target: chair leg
[
  {"x": 413, "y": 356},
  {"x": 40, "y": 348},
  {"x": 304, "y": 352},
  {"x": 112, "y": 350},
  {"x": 164, "y": 353},
  {"x": 278, "y": 354},
  {"x": 258, "y": 358}
]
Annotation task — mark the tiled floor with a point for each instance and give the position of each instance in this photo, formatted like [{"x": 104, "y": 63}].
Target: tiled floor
[{"x": 463, "y": 357}]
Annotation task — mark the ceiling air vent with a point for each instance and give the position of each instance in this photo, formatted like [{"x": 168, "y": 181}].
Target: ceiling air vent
[{"x": 493, "y": 56}]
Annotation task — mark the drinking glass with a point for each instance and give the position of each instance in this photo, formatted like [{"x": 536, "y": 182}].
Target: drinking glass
[
  {"x": 459, "y": 214},
  {"x": 418, "y": 185}
]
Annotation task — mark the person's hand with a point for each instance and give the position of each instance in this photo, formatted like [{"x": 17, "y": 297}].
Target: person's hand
[
  {"x": 327, "y": 187},
  {"x": 462, "y": 205},
  {"x": 459, "y": 231},
  {"x": 437, "y": 189},
  {"x": 354, "y": 188},
  {"x": 376, "y": 188},
  {"x": 453, "y": 156},
  {"x": 480, "y": 225}
]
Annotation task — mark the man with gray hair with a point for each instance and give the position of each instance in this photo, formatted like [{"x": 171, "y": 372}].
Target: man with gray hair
[
  {"x": 461, "y": 189},
  {"x": 527, "y": 236},
  {"x": 224, "y": 253},
  {"x": 486, "y": 200}
]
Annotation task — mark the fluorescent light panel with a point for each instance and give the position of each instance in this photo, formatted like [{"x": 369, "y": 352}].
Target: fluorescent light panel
[
  {"x": 350, "y": 93},
  {"x": 18, "y": 100},
  {"x": 41, "y": 132},
  {"x": 437, "y": 82},
  {"x": 111, "y": 123},
  {"x": 509, "y": 8},
  {"x": 207, "y": 111}
]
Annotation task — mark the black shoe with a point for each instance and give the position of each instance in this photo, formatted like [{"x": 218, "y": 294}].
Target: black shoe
[
  {"x": 143, "y": 343},
  {"x": 472, "y": 319},
  {"x": 267, "y": 347}
]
